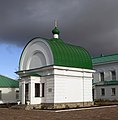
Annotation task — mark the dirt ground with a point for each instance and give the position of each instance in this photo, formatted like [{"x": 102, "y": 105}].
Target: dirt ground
[{"x": 110, "y": 113}]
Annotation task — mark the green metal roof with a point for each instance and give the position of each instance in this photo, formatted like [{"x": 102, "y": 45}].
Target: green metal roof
[
  {"x": 69, "y": 55},
  {"x": 66, "y": 54},
  {"x": 8, "y": 82},
  {"x": 106, "y": 58},
  {"x": 105, "y": 83}
]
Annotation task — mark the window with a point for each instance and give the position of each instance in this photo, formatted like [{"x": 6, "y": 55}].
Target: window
[
  {"x": 17, "y": 94},
  {"x": 113, "y": 74},
  {"x": 102, "y": 91},
  {"x": 37, "y": 89},
  {"x": 102, "y": 76},
  {"x": 113, "y": 91},
  {"x": 0, "y": 94},
  {"x": 43, "y": 89}
]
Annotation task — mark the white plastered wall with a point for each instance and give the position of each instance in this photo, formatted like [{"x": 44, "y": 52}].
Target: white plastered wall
[
  {"x": 106, "y": 68},
  {"x": 62, "y": 85},
  {"x": 8, "y": 95},
  {"x": 108, "y": 92},
  {"x": 48, "y": 95},
  {"x": 36, "y": 54},
  {"x": 73, "y": 85}
]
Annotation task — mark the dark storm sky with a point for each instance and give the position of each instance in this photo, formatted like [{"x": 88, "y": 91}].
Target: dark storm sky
[{"x": 92, "y": 24}]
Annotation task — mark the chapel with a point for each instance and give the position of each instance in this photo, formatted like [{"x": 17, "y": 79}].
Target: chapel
[{"x": 54, "y": 74}]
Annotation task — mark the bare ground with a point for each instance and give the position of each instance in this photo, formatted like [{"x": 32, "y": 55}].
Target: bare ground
[{"x": 110, "y": 113}]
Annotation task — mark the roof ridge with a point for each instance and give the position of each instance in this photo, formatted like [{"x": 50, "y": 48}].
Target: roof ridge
[
  {"x": 105, "y": 56},
  {"x": 7, "y": 77}
]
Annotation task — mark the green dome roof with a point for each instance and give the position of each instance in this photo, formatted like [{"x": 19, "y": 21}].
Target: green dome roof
[
  {"x": 55, "y": 31},
  {"x": 69, "y": 55},
  {"x": 64, "y": 54}
]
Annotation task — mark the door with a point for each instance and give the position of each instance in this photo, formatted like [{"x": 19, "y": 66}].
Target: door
[{"x": 26, "y": 92}]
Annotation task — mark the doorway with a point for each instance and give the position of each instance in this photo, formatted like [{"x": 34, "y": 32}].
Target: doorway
[{"x": 26, "y": 92}]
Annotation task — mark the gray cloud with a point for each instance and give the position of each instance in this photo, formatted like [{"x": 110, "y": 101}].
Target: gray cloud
[{"x": 92, "y": 24}]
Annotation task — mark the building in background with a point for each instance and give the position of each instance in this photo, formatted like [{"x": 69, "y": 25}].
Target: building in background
[
  {"x": 9, "y": 90},
  {"x": 54, "y": 74},
  {"x": 105, "y": 81}
]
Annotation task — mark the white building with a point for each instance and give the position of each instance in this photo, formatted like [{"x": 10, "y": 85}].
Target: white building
[
  {"x": 9, "y": 90},
  {"x": 54, "y": 74},
  {"x": 106, "y": 77}
]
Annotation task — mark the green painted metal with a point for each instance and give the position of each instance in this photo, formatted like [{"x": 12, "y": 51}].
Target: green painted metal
[
  {"x": 33, "y": 74},
  {"x": 69, "y": 55},
  {"x": 55, "y": 31},
  {"x": 103, "y": 59},
  {"x": 66, "y": 54},
  {"x": 105, "y": 83},
  {"x": 8, "y": 82}
]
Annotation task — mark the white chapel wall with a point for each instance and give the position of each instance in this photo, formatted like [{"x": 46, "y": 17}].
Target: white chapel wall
[
  {"x": 68, "y": 89},
  {"x": 36, "y": 54},
  {"x": 73, "y": 85}
]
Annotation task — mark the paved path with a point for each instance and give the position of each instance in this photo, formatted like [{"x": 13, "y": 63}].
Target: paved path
[{"x": 90, "y": 108}]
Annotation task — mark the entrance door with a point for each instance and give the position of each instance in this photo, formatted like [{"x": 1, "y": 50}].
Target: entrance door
[
  {"x": 93, "y": 92},
  {"x": 26, "y": 92}
]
